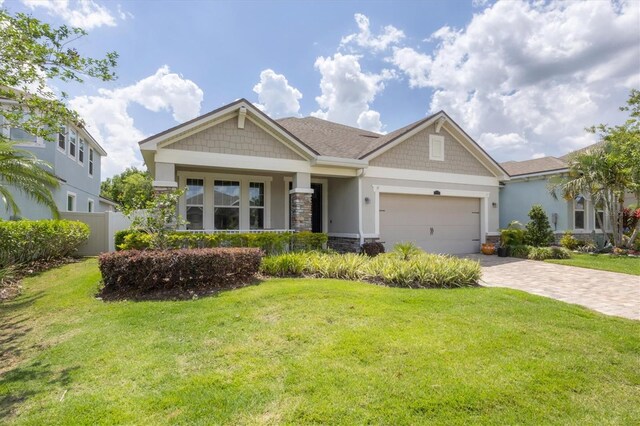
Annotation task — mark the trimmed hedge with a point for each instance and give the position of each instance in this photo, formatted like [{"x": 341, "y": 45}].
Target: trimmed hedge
[
  {"x": 270, "y": 242},
  {"x": 420, "y": 271},
  {"x": 26, "y": 241},
  {"x": 140, "y": 272}
]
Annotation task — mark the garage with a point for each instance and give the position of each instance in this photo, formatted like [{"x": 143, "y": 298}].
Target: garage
[{"x": 437, "y": 224}]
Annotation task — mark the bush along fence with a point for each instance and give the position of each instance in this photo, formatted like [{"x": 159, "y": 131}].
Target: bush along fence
[
  {"x": 140, "y": 272},
  {"x": 26, "y": 241},
  {"x": 269, "y": 242}
]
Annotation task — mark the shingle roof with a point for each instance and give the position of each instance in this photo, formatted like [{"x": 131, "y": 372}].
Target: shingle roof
[
  {"x": 544, "y": 164},
  {"x": 538, "y": 165}
]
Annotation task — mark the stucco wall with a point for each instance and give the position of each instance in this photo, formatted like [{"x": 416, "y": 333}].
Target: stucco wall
[
  {"x": 368, "y": 210},
  {"x": 343, "y": 205},
  {"x": 414, "y": 154},
  {"x": 227, "y": 138},
  {"x": 517, "y": 197}
]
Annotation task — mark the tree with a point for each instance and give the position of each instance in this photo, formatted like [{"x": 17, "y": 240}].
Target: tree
[
  {"x": 159, "y": 218},
  {"x": 132, "y": 189},
  {"x": 30, "y": 175},
  {"x": 538, "y": 230},
  {"x": 32, "y": 54}
]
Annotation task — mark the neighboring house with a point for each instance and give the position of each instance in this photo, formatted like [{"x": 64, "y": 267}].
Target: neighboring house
[
  {"x": 529, "y": 184},
  {"x": 75, "y": 157},
  {"x": 428, "y": 182}
]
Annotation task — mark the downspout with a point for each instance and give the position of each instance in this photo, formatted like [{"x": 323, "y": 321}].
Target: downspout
[{"x": 360, "y": 232}]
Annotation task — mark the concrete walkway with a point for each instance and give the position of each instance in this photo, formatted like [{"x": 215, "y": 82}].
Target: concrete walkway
[{"x": 608, "y": 292}]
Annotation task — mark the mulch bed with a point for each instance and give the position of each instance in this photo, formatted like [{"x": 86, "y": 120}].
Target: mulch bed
[{"x": 10, "y": 286}]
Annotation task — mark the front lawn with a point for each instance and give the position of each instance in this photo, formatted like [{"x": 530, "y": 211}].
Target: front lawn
[
  {"x": 302, "y": 351},
  {"x": 623, "y": 264}
]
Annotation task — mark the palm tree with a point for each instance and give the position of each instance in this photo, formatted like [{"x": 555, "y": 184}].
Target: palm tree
[{"x": 24, "y": 171}]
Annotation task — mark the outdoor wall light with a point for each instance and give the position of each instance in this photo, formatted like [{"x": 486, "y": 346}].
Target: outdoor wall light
[
  {"x": 436, "y": 192},
  {"x": 367, "y": 200},
  {"x": 494, "y": 205}
]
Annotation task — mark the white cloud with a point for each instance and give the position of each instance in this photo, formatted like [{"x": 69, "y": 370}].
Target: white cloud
[
  {"x": 364, "y": 38},
  {"x": 542, "y": 71},
  {"x": 86, "y": 14},
  {"x": 107, "y": 117},
  {"x": 347, "y": 92},
  {"x": 538, "y": 155},
  {"x": 275, "y": 96}
]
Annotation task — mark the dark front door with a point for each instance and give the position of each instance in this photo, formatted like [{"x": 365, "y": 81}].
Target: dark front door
[{"x": 316, "y": 207}]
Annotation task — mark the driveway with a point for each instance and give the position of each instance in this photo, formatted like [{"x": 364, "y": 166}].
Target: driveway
[{"x": 608, "y": 292}]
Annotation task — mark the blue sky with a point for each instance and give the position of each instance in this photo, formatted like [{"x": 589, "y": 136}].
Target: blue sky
[{"x": 523, "y": 79}]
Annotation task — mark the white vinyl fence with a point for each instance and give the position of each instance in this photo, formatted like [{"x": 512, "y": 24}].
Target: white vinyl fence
[{"x": 103, "y": 227}]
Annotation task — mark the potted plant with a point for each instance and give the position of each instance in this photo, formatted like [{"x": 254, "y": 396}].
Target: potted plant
[{"x": 488, "y": 248}]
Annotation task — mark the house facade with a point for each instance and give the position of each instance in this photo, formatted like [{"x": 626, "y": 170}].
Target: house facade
[
  {"x": 530, "y": 184},
  {"x": 76, "y": 160},
  {"x": 428, "y": 182}
]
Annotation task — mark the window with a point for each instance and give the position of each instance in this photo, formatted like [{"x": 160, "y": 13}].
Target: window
[
  {"x": 226, "y": 204},
  {"x": 62, "y": 139},
  {"x": 256, "y": 205},
  {"x": 91, "y": 162},
  {"x": 90, "y": 206},
  {"x": 71, "y": 202},
  {"x": 436, "y": 147},
  {"x": 17, "y": 134},
  {"x": 72, "y": 143},
  {"x": 81, "y": 151},
  {"x": 599, "y": 217},
  {"x": 195, "y": 203},
  {"x": 578, "y": 212}
]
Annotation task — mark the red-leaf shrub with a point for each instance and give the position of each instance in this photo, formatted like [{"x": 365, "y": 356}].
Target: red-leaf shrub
[
  {"x": 373, "y": 248},
  {"x": 186, "y": 270}
]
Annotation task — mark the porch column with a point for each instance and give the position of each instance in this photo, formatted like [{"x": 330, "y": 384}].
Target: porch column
[
  {"x": 165, "y": 177},
  {"x": 300, "y": 202}
]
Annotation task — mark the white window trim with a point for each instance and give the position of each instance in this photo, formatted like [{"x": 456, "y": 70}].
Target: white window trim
[
  {"x": 66, "y": 140},
  {"x": 91, "y": 159},
  {"x": 483, "y": 196},
  {"x": 6, "y": 132},
  {"x": 73, "y": 157},
  {"x": 83, "y": 143},
  {"x": 238, "y": 207},
  {"x": 91, "y": 202},
  {"x": 433, "y": 140},
  {"x": 325, "y": 202},
  {"x": 204, "y": 190},
  {"x": 209, "y": 179},
  {"x": 586, "y": 216},
  {"x": 75, "y": 201}
]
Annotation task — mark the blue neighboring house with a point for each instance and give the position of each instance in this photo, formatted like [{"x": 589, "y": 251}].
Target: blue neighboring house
[
  {"x": 76, "y": 159},
  {"x": 529, "y": 185}
]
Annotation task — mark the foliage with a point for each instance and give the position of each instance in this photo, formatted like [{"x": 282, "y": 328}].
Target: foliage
[
  {"x": 269, "y": 242},
  {"x": 32, "y": 54},
  {"x": 538, "y": 230},
  {"x": 569, "y": 242},
  {"x": 132, "y": 189},
  {"x": 30, "y": 175},
  {"x": 308, "y": 241},
  {"x": 159, "y": 218},
  {"x": 135, "y": 272},
  {"x": 373, "y": 248},
  {"x": 512, "y": 237},
  {"x": 631, "y": 217},
  {"x": 543, "y": 253},
  {"x": 520, "y": 251},
  {"x": 26, "y": 241},
  {"x": 406, "y": 250},
  {"x": 418, "y": 271}
]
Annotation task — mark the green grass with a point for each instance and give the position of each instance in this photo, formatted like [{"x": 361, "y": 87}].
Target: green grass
[
  {"x": 301, "y": 351},
  {"x": 625, "y": 265}
]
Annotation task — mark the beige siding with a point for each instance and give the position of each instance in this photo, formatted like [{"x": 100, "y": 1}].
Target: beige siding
[
  {"x": 414, "y": 154},
  {"x": 343, "y": 205},
  {"x": 227, "y": 138}
]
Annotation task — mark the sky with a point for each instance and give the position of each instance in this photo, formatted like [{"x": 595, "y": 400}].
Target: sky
[{"x": 524, "y": 79}]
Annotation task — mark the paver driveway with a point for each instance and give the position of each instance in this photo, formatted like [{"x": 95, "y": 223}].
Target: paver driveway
[{"x": 608, "y": 292}]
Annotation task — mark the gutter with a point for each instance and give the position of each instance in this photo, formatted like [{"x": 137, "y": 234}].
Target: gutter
[{"x": 323, "y": 160}]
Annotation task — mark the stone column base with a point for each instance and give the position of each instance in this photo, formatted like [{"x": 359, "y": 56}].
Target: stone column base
[
  {"x": 347, "y": 244},
  {"x": 300, "y": 211}
]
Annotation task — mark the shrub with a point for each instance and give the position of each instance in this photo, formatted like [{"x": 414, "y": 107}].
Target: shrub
[
  {"x": 521, "y": 251},
  {"x": 421, "y": 270},
  {"x": 512, "y": 237},
  {"x": 29, "y": 240},
  {"x": 373, "y": 248},
  {"x": 308, "y": 241},
  {"x": 542, "y": 253},
  {"x": 139, "y": 272},
  {"x": 539, "y": 232},
  {"x": 119, "y": 237},
  {"x": 406, "y": 250},
  {"x": 568, "y": 241}
]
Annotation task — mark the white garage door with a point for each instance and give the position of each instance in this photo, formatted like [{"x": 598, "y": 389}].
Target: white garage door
[{"x": 436, "y": 224}]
